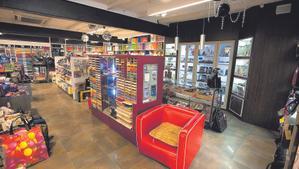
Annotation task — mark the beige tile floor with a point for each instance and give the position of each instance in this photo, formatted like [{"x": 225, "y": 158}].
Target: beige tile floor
[{"x": 84, "y": 142}]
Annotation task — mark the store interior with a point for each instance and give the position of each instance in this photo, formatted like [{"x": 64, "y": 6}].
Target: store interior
[{"x": 149, "y": 84}]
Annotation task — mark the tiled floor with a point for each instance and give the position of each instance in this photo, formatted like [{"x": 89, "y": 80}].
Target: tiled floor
[{"x": 84, "y": 142}]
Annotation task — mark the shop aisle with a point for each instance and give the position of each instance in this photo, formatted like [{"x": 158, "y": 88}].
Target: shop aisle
[{"x": 84, "y": 142}]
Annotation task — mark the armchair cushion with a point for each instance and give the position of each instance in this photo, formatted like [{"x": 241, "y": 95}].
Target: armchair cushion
[
  {"x": 167, "y": 133},
  {"x": 191, "y": 123}
]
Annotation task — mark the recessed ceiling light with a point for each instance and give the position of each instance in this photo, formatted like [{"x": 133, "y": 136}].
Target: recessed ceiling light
[
  {"x": 163, "y": 14},
  {"x": 179, "y": 7},
  {"x": 1, "y": 33}
]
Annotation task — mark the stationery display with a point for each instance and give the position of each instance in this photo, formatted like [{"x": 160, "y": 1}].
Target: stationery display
[
  {"x": 150, "y": 45},
  {"x": 71, "y": 74},
  {"x": 205, "y": 101},
  {"x": 123, "y": 86}
]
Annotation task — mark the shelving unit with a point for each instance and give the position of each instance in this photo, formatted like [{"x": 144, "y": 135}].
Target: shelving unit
[
  {"x": 238, "y": 92},
  {"x": 150, "y": 45},
  {"x": 124, "y": 86},
  {"x": 170, "y": 63},
  {"x": 71, "y": 74},
  {"x": 195, "y": 66}
]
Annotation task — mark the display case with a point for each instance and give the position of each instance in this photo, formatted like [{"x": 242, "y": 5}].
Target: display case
[
  {"x": 204, "y": 101},
  {"x": 123, "y": 86},
  {"x": 182, "y": 65},
  {"x": 205, "y": 65},
  {"x": 224, "y": 64},
  {"x": 170, "y": 63},
  {"x": 195, "y": 71},
  {"x": 240, "y": 75},
  {"x": 187, "y": 54}
]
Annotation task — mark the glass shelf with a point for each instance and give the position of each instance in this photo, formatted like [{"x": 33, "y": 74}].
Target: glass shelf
[
  {"x": 205, "y": 64},
  {"x": 244, "y": 47},
  {"x": 239, "y": 87},
  {"x": 241, "y": 68}
]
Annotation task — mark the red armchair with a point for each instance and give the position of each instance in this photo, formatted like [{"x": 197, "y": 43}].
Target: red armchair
[{"x": 192, "y": 124}]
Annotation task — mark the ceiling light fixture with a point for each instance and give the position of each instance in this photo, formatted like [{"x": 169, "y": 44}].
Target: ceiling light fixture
[
  {"x": 176, "y": 39},
  {"x": 202, "y": 36},
  {"x": 179, "y": 7},
  {"x": 163, "y": 14},
  {"x": 1, "y": 33}
]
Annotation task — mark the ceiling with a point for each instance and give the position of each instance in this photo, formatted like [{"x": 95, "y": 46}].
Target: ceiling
[
  {"x": 143, "y": 8},
  {"x": 24, "y": 18}
]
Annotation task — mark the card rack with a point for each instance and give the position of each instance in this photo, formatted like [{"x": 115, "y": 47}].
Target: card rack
[
  {"x": 131, "y": 81},
  {"x": 126, "y": 90},
  {"x": 95, "y": 82}
]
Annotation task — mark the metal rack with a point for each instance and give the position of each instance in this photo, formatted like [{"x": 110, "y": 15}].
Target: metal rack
[{"x": 202, "y": 105}]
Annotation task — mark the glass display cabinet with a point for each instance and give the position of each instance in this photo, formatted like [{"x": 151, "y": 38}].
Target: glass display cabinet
[
  {"x": 190, "y": 65},
  {"x": 195, "y": 71},
  {"x": 170, "y": 63},
  {"x": 205, "y": 65},
  {"x": 182, "y": 65},
  {"x": 123, "y": 86},
  {"x": 240, "y": 75},
  {"x": 224, "y": 64},
  {"x": 187, "y": 53}
]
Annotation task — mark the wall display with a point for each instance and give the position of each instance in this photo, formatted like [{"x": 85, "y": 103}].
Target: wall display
[
  {"x": 150, "y": 82},
  {"x": 182, "y": 65},
  {"x": 244, "y": 47},
  {"x": 170, "y": 63},
  {"x": 241, "y": 67},
  {"x": 195, "y": 71},
  {"x": 149, "y": 45},
  {"x": 22, "y": 54},
  {"x": 225, "y": 55},
  {"x": 238, "y": 92},
  {"x": 123, "y": 86},
  {"x": 205, "y": 65}
]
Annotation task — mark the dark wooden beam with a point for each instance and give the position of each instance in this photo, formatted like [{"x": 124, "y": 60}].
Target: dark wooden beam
[
  {"x": 23, "y": 30},
  {"x": 74, "y": 11}
]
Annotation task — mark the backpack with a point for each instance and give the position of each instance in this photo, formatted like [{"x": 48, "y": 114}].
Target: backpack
[{"x": 219, "y": 121}]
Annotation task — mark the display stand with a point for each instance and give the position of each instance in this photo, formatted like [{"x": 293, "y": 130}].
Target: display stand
[
  {"x": 22, "y": 102},
  {"x": 194, "y": 99},
  {"x": 71, "y": 74},
  {"x": 123, "y": 86}
]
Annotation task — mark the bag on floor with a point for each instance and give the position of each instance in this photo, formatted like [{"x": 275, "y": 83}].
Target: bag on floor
[
  {"x": 23, "y": 146},
  {"x": 219, "y": 121},
  {"x": 37, "y": 120}
]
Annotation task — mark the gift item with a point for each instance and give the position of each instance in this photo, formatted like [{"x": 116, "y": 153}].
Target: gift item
[{"x": 23, "y": 147}]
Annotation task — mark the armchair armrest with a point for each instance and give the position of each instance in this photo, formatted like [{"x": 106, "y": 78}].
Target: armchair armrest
[
  {"x": 147, "y": 121},
  {"x": 190, "y": 141}
]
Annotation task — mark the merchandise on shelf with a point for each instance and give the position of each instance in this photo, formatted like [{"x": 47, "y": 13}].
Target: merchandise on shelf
[
  {"x": 205, "y": 101},
  {"x": 71, "y": 74},
  {"x": 123, "y": 86},
  {"x": 150, "y": 45},
  {"x": 195, "y": 66},
  {"x": 170, "y": 63}
]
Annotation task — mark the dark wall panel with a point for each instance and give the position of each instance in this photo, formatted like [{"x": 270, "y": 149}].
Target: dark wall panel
[
  {"x": 30, "y": 31},
  {"x": 272, "y": 65}
]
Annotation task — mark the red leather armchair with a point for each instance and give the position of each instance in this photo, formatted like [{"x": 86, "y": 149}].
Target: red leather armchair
[{"x": 192, "y": 124}]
